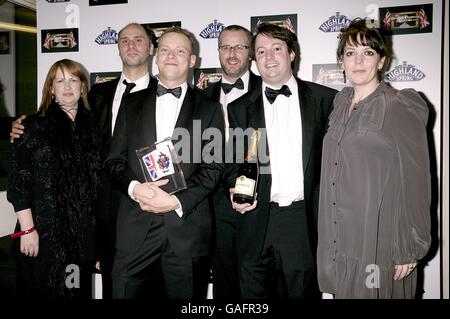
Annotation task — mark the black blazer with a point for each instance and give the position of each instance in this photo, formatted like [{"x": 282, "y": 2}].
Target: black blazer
[
  {"x": 213, "y": 90},
  {"x": 101, "y": 98},
  {"x": 220, "y": 198},
  {"x": 315, "y": 106},
  {"x": 135, "y": 128}
]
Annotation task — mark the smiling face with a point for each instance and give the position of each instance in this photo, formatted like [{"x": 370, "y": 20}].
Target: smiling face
[
  {"x": 361, "y": 64},
  {"x": 67, "y": 88},
  {"x": 174, "y": 58},
  {"x": 273, "y": 60},
  {"x": 234, "y": 54},
  {"x": 135, "y": 47}
]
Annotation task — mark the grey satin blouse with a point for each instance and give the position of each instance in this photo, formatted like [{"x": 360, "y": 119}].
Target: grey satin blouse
[{"x": 375, "y": 192}]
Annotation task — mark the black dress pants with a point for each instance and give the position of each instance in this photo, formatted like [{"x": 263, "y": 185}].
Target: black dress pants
[
  {"x": 285, "y": 269},
  {"x": 224, "y": 262},
  {"x": 154, "y": 271}
]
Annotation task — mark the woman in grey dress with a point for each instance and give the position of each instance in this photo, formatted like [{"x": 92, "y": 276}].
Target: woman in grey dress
[{"x": 374, "y": 211}]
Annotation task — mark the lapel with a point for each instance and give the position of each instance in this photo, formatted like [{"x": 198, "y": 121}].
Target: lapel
[
  {"x": 254, "y": 81},
  {"x": 213, "y": 90},
  {"x": 185, "y": 116},
  {"x": 105, "y": 107},
  {"x": 307, "y": 106},
  {"x": 255, "y": 111},
  {"x": 216, "y": 90},
  {"x": 149, "y": 117}
]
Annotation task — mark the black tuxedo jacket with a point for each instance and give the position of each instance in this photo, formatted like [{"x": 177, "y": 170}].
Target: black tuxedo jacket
[
  {"x": 214, "y": 89},
  {"x": 101, "y": 98},
  {"x": 188, "y": 236},
  {"x": 221, "y": 202},
  {"x": 248, "y": 111}
]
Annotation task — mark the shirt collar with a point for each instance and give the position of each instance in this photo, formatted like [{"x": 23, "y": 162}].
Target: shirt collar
[
  {"x": 245, "y": 78},
  {"x": 141, "y": 83}
]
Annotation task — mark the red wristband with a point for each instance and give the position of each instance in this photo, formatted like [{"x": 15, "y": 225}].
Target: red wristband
[{"x": 23, "y": 232}]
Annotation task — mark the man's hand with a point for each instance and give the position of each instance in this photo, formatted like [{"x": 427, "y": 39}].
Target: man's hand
[
  {"x": 153, "y": 199},
  {"x": 17, "y": 128},
  {"x": 242, "y": 208}
]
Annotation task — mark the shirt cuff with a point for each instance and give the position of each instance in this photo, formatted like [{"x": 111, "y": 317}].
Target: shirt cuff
[
  {"x": 179, "y": 211},
  {"x": 130, "y": 190}
]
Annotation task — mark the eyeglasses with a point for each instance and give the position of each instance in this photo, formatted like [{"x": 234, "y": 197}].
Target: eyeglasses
[{"x": 237, "y": 48}]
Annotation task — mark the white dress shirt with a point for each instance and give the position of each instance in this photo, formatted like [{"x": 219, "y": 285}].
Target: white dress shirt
[
  {"x": 166, "y": 115},
  {"x": 167, "y": 110},
  {"x": 141, "y": 83},
  {"x": 284, "y": 134},
  {"x": 234, "y": 94}
]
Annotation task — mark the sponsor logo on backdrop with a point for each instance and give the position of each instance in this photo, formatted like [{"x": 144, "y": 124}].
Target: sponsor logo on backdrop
[
  {"x": 108, "y": 36},
  {"x": 335, "y": 23},
  {"x": 206, "y": 76},
  {"x": 404, "y": 73},
  {"x": 330, "y": 75},
  {"x": 212, "y": 31},
  {"x": 100, "y": 77},
  {"x": 160, "y": 27},
  {"x": 59, "y": 40},
  {"x": 407, "y": 19},
  {"x": 288, "y": 21},
  {"x": 105, "y": 2}
]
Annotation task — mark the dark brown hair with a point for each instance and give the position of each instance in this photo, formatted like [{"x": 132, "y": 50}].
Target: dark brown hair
[
  {"x": 276, "y": 32},
  {"x": 358, "y": 33}
]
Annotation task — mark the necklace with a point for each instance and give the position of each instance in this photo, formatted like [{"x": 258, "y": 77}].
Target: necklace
[{"x": 69, "y": 111}]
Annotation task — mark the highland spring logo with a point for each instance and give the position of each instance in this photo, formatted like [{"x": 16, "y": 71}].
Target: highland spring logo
[
  {"x": 335, "y": 23},
  {"x": 212, "y": 30},
  {"x": 108, "y": 36},
  {"x": 404, "y": 73}
]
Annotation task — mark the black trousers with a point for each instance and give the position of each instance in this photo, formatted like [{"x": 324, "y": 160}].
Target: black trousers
[
  {"x": 224, "y": 262},
  {"x": 106, "y": 238},
  {"x": 154, "y": 271},
  {"x": 285, "y": 269}
]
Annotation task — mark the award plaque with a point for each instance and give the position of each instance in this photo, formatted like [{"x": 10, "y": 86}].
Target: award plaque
[{"x": 160, "y": 161}]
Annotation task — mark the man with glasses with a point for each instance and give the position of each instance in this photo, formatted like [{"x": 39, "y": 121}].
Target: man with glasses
[{"x": 235, "y": 55}]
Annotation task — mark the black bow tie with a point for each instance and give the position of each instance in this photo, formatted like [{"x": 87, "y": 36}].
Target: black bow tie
[
  {"x": 129, "y": 87},
  {"x": 226, "y": 87},
  {"x": 161, "y": 90},
  {"x": 272, "y": 94}
]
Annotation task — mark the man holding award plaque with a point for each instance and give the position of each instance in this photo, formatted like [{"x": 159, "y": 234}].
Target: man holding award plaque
[{"x": 164, "y": 222}]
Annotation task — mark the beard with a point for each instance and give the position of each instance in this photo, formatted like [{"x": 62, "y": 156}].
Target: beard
[{"x": 235, "y": 70}]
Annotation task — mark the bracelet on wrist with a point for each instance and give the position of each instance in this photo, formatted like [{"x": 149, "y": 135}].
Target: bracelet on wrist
[{"x": 23, "y": 232}]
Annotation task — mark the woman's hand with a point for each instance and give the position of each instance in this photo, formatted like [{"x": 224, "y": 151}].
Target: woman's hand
[
  {"x": 29, "y": 244},
  {"x": 403, "y": 271}
]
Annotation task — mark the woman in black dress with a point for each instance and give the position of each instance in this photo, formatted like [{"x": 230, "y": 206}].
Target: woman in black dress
[{"x": 53, "y": 185}]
